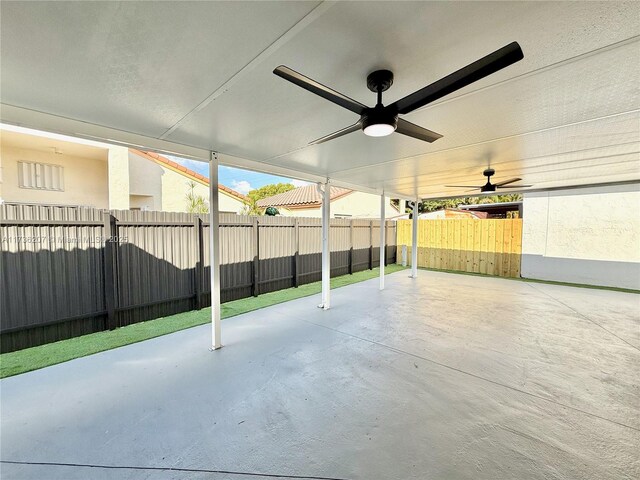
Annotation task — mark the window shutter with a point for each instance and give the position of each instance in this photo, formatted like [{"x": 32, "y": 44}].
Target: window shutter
[{"x": 40, "y": 176}]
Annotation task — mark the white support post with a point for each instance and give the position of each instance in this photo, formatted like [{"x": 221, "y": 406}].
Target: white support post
[
  {"x": 214, "y": 249},
  {"x": 383, "y": 241},
  {"x": 414, "y": 241},
  {"x": 326, "y": 254}
]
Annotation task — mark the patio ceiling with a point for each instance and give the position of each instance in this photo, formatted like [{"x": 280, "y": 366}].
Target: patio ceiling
[{"x": 188, "y": 78}]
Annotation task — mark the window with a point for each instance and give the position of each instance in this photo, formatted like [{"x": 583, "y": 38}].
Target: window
[{"x": 40, "y": 176}]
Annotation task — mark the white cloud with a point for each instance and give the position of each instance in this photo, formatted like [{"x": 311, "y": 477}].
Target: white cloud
[
  {"x": 241, "y": 186},
  {"x": 299, "y": 183}
]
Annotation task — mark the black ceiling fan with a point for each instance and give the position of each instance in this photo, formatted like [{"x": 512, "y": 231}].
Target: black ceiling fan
[
  {"x": 491, "y": 187},
  {"x": 383, "y": 120}
]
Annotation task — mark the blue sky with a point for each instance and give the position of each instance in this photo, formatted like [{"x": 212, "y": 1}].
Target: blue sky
[{"x": 236, "y": 178}]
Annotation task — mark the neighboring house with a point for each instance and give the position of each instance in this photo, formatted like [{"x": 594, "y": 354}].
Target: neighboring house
[
  {"x": 306, "y": 202},
  {"x": 57, "y": 170},
  {"x": 496, "y": 210},
  {"x": 452, "y": 213},
  {"x": 158, "y": 183}
]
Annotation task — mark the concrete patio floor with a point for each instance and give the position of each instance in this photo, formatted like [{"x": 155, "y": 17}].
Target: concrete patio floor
[{"x": 444, "y": 377}]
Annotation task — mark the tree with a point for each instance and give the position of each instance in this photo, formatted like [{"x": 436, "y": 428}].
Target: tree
[
  {"x": 251, "y": 204},
  {"x": 433, "y": 205},
  {"x": 270, "y": 190},
  {"x": 195, "y": 203},
  {"x": 251, "y": 208}
]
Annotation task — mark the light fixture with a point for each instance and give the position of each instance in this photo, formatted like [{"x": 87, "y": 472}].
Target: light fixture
[
  {"x": 379, "y": 130},
  {"x": 379, "y": 122}
]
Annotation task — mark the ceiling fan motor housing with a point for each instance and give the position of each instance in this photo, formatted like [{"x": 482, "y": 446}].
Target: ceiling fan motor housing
[
  {"x": 488, "y": 187},
  {"x": 379, "y": 115},
  {"x": 380, "y": 80}
]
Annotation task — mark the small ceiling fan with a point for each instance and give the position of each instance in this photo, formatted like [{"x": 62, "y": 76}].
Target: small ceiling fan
[
  {"x": 382, "y": 120},
  {"x": 491, "y": 187}
]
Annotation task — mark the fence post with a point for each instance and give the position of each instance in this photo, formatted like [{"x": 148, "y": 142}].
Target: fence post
[
  {"x": 199, "y": 268},
  {"x": 351, "y": 246},
  {"x": 296, "y": 255},
  {"x": 256, "y": 257},
  {"x": 371, "y": 245},
  {"x": 395, "y": 242},
  {"x": 386, "y": 243},
  {"x": 109, "y": 264}
]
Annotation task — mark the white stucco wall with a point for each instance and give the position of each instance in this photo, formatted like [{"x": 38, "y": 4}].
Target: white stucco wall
[
  {"x": 174, "y": 191},
  {"x": 589, "y": 235},
  {"x": 118, "y": 178},
  {"x": 227, "y": 202},
  {"x": 300, "y": 212},
  {"x": 142, "y": 202},
  {"x": 361, "y": 205},
  {"x": 175, "y": 188},
  {"x": 85, "y": 179},
  {"x": 145, "y": 183}
]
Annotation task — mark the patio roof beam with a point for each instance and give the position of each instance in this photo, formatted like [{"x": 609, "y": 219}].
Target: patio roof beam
[
  {"x": 31, "y": 119},
  {"x": 214, "y": 256}
]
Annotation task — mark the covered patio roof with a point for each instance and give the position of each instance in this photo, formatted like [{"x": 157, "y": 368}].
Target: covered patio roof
[{"x": 190, "y": 78}]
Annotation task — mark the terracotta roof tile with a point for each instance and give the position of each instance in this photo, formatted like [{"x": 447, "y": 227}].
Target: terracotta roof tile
[
  {"x": 301, "y": 196},
  {"x": 154, "y": 157}
]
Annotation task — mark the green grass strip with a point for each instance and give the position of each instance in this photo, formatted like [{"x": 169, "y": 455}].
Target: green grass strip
[{"x": 29, "y": 359}]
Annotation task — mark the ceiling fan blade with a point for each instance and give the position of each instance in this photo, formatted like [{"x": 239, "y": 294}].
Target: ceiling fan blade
[
  {"x": 506, "y": 182},
  {"x": 513, "y": 186},
  {"x": 416, "y": 131},
  {"x": 351, "y": 128},
  {"x": 473, "y": 72},
  {"x": 464, "y": 186},
  {"x": 319, "y": 89}
]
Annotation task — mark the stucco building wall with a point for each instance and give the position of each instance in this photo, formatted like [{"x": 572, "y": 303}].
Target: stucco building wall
[
  {"x": 99, "y": 175},
  {"x": 84, "y": 179},
  {"x": 145, "y": 184},
  {"x": 118, "y": 178},
  {"x": 175, "y": 188},
  {"x": 588, "y": 235}
]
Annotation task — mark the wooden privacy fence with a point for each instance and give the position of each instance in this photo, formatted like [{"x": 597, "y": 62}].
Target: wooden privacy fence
[
  {"x": 68, "y": 271},
  {"x": 493, "y": 246}
]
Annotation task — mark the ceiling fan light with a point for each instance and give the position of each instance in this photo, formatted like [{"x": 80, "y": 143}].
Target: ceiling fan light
[
  {"x": 379, "y": 122},
  {"x": 379, "y": 130}
]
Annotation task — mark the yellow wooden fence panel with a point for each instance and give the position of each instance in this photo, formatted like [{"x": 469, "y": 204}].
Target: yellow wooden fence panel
[{"x": 491, "y": 246}]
